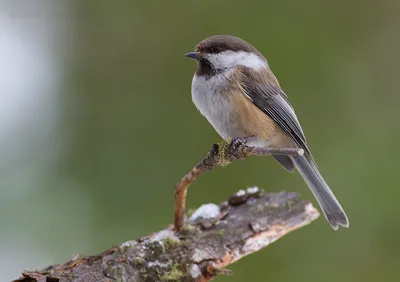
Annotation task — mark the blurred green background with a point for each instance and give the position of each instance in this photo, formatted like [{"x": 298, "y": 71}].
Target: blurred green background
[{"x": 90, "y": 156}]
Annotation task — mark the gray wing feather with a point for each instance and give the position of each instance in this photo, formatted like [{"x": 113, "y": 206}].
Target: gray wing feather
[{"x": 274, "y": 102}]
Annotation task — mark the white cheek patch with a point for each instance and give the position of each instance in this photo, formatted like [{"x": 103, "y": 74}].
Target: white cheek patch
[{"x": 230, "y": 59}]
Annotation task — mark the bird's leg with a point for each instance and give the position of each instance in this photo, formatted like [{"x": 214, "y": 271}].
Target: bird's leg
[
  {"x": 241, "y": 141},
  {"x": 229, "y": 148}
]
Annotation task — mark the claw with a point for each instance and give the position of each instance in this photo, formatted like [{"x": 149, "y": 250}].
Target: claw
[{"x": 236, "y": 143}]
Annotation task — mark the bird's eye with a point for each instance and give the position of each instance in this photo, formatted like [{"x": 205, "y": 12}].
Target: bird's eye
[{"x": 216, "y": 49}]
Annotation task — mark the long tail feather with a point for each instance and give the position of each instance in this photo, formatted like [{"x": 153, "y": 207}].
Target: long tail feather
[{"x": 330, "y": 206}]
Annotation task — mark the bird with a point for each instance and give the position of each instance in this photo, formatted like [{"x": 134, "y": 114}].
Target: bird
[{"x": 236, "y": 91}]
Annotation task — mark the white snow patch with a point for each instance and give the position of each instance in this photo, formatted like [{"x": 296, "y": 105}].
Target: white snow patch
[
  {"x": 206, "y": 211},
  {"x": 195, "y": 271},
  {"x": 240, "y": 193},
  {"x": 252, "y": 190},
  {"x": 129, "y": 244},
  {"x": 167, "y": 233}
]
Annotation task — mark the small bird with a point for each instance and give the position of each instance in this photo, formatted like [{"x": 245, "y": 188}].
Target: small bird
[{"x": 236, "y": 91}]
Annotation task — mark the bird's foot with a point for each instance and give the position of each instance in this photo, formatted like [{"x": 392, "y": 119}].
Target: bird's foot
[
  {"x": 239, "y": 142},
  {"x": 229, "y": 149}
]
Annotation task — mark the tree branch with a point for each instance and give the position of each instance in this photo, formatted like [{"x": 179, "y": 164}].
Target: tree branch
[
  {"x": 198, "y": 249},
  {"x": 213, "y": 238}
]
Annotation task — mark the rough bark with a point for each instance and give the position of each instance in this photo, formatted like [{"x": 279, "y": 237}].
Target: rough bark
[{"x": 213, "y": 238}]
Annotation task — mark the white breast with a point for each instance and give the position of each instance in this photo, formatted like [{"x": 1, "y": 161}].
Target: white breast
[{"x": 214, "y": 105}]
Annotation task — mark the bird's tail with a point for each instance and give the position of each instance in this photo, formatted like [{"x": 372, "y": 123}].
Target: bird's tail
[{"x": 333, "y": 211}]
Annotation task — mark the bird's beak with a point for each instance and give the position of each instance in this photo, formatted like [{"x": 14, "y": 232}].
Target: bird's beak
[{"x": 193, "y": 55}]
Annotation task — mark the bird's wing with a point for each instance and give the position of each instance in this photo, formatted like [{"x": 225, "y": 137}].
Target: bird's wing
[{"x": 270, "y": 99}]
